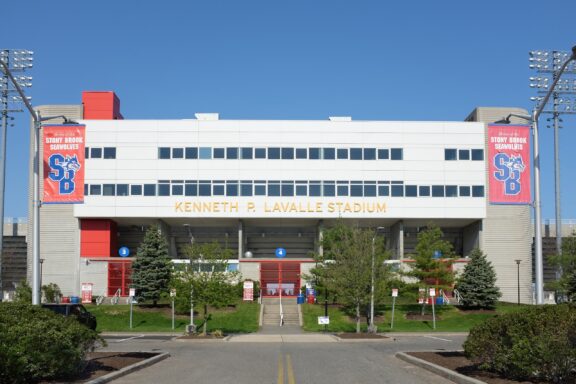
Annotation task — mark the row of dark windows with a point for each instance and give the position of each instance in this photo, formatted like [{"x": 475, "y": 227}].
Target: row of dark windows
[
  {"x": 463, "y": 154},
  {"x": 100, "y": 152},
  {"x": 280, "y": 153},
  {"x": 286, "y": 188}
]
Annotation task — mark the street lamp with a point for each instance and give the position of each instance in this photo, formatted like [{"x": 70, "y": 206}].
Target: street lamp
[
  {"x": 372, "y": 327},
  {"x": 536, "y": 160},
  {"x": 36, "y": 184},
  {"x": 518, "y": 265}
]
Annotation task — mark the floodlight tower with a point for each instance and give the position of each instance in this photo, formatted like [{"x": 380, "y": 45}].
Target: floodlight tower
[
  {"x": 17, "y": 61},
  {"x": 548, "y": 65}
]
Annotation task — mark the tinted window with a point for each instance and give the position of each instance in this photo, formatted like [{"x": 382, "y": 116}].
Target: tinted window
[
  {"x": 478, "y": 191},
  {"x": 314, "y": 153},
  {"x": 149, "y": 189},
  {"x": 260, "y": 153},
  {"x": 329, "y": 189},
  {"x": 397, "y": 190},
  {"x": 315, "y": 189},
  {"x": 87, "y": 153},
  {"x": 329, "y": 154},
  {"x": 464, "y": 154},
  {"x": 136, "y": 190},
  {"x": 273, "y": 188},
  {"x": 478, "y": 154},
  {"x": 163, "y": 189},
  {"x": 451, "y": 191},
  {"x": 411, "y": 191},
  {"x": 231, "y": 189},
  {"x": 287, "y": 188},
  {"x": 205, "y": 152},
  {"x": 369, "y": 153},
  {"x": 356, "y": 190},
  {"x": 288, "y": 153},
  {"x": 450, "y": 154},
  {"x": 231, "y": 153},
  {"x": 383, "y": 154},
  {"x": 109, "y": 152},
  {"x": 95, "y": 189},
  {"x": 438, "y": 191},
  {"x": 96, "y": 153},
  {"x": 218, "y": 189},
  {"x": 109, "y": 190},
  {"x": 177, "y": 189},
  {"x": 204, "y": 189},
  {"x": 396, "y": 154},
  {"x": 370, "y": 190},
  {"x": 246, "y": 189},
  {"x": 219, "y": 153},
  {"x": 273, "y": 153},
  {"x": 191, "y": 153},
  {"x": 383, "y": 190},
  {"x": 355, "y": 153},
  {"x": 342, "y": 153},
  {"x": 191, "y": 189},
  {"x": 301, "y": 153},
  {"x": 424, "y": 190},
  {"x": 247, "y": 153},
  {"x": 122, "y": 190},
  {"x": 464, "y": 191}
]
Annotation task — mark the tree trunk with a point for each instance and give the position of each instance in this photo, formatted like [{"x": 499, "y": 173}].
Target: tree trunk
[
  {"x": 357, "y": 318},
  {"x": 205, "y": 319}
]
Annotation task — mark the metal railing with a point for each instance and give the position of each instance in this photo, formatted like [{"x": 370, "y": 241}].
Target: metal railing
[
  {"x": 99, "y": 300},
  {"x": 457, "y": 296},
  {"x": 116, "y": 298},
  {"x": 445, "y": 299}
]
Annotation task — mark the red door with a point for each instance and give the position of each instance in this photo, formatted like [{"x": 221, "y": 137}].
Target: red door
[
  {"x": 119, "y": 277},
  {"x": 280, "y": 275}
]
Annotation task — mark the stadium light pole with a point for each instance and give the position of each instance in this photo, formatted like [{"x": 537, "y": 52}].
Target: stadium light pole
[
  {"x": 539, "y": 261},
  {"x": 36, "y": 182}
]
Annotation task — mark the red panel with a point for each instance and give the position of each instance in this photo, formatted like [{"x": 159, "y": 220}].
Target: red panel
[
  {"x": 119, "y": 277},
  {"x": 97, "y": 238},
  {"x": 101, "y": 105},
  {"x": 274, "y": 274}
]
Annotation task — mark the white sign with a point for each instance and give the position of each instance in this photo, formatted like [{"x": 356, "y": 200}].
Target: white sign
[
  {"x": 432, "y": 292},
  {"x": 248, "y": 284},
  {"x": 323, "y": 320},
  {"x": 132, "y": 292},
  {"x": 172, "y": 293},
  {"x": 394, "y": 292}
]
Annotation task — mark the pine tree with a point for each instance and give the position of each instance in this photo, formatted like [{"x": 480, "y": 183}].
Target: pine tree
[
  {"x": 151, "y": 268},
  {"x": 477, "y": 285}
]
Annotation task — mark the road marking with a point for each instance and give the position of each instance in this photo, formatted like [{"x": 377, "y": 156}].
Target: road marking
[
  {"x": 290, "y": 370},
  {"x": 437, "y": 338},
  {"x": 129, "y": 338},
  {"x": 281, "y": 369}
]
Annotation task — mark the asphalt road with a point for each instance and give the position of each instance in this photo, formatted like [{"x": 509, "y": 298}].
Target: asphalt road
[{"x": 315, "y": 360}]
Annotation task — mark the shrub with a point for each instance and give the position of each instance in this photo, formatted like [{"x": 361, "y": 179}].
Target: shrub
[
  {"x": 37, "y": 344},
  {"x": 538, "y": 343},
  {"x": 51, "y": 292},
  {"x": 23, "y": 293}
]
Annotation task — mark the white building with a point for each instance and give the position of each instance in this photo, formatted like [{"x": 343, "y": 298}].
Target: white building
[{"x": 256, "y": 185}]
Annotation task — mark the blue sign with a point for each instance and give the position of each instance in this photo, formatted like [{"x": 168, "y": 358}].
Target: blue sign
[
  {"x": 124, "y": 252},
  {"x": 437, "y": 254},
  {"x": 280, "y": 252}
]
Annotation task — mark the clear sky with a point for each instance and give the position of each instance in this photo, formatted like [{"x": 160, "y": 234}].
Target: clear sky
[{"x": 265, "y": 59}]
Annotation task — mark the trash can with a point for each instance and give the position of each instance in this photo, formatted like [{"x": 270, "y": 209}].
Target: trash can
[
  {"x": 300, "y": 299},
  {"x": 65, "y": 299},
  {"x": 74, "y": 299},
  {"x": 310, "y": 299},
  {"x": 439, "y": 301}
]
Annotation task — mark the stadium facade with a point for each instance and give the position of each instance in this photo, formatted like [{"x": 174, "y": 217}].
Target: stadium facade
[{"x": 258, "y": 185}]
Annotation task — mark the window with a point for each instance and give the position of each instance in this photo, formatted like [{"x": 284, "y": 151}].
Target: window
[
  {"x": 369, "y": 153},
  {"x": 122, "y": 190},
  {"x": 450, "y": 154},
  {"x": 477, "y": 191},
  {"x": 437, "y": 191},
  {"x": 274, "y": 188},
  {"x": 205, "y": 153},
  {"x": 109, "y": 152},
  {"x": 247, "y": 153},
  {"x": 246, "y": 188},
  {"x": 231, "y": 188},
  {"x": 232, "y": 153},
  {"x": 96, "y": 153},
  {"x": 204, "y": 188},
  {"x": 177, "y": 153},
  {"x": 86, "y": 190},
  {"x": 369, "y": 189},
  {"x": 329, "y": 189},
  {"x": 260, "y": 188},
  {"x": 218, "y": 188},
  {"x": 260, "y": 153},
  {"x": 314, "y": 153},
  {"x": 356, "y": 189},
  {"x": 451, "y": 191},
  {"x": 397, "y": 190},
  {"x": 163, "y": 188},
  {"x": 149, "y": 189},
  {"x": 464, "y": 191},
  {"x": 314, "y": 189},
  {"x": 191, "y": 152},
  {"x": 219, "y": 153},
  {"x": 287, "y": 188},
  {"x": 136, "y": 190},
  {"x": 86, "y": 153},
  {"x": 301, "y": 188},
  {"x": 383, "y": 190},
  {"x": 411, "y": 191},
  {"x": 342, "y": 188},
  {"x": 424, "y": 190},
  {"x": 329, "y": 153},
  {"x": 383, "y": 154},
  {"x": 301, "y": 153},
  {"x": 108, "y": 190},
  {"x": 191, "y": 188},
  {"x": 464, "y": 154},
  {"x": 274, "y": 153},
  {"x": 342, "y": 153},
  {"x": 288, "y": 153},
  {"x": 396, "y": 154},
  {"x": 355, "y": 153},
  {"x": 177, "y": 188},
  {"x": 95, "y": 189},
  {"x": 477, "y": 154}
]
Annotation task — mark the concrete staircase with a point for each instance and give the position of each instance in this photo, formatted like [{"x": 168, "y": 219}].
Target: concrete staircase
[{"x": 271, "y": 312}]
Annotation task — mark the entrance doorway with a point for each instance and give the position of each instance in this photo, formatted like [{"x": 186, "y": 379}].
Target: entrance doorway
[{"x": 280, "y": 275}]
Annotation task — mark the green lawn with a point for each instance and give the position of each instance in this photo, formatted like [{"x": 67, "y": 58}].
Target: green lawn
[
  {"x": 116, "y": 318},
  {"x": 448, "y": 318}
]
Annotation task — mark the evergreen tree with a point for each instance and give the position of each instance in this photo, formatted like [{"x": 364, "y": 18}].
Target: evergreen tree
[
  {"x": 151, "y": 269},
  {"x": 477, "y": 285},
  {"x": 571, "y": 287}
]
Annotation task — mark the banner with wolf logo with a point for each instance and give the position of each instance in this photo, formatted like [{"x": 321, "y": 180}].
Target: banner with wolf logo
[
  {"x": 63, "y": 164},
  {"x": 509, "y": 164}
]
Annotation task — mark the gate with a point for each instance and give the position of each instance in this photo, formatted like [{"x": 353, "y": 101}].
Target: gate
[
  {"x": 280, "y": 275},
  {"x": 119, "y": 277}
]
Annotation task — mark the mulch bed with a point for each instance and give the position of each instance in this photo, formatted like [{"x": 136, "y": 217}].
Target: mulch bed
[
  {"x": 103, "y": 363},
  {"x": 353, "y": 335},
  {"x": 419, "y": 317},
  {"x": 456, "y": 361}
]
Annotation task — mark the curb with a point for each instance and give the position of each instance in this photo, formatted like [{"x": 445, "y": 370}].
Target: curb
[
  {"x": 129, "y": 369},
  {"x": 441, "y": 371}
]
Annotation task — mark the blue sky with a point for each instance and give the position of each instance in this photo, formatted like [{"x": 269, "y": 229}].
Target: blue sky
[{"x": 372, "y": 60}]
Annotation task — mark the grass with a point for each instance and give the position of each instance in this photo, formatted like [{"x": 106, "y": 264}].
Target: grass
[
  {"x": 448, "y": 318},
  {"x": 116, "y": 318}
]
